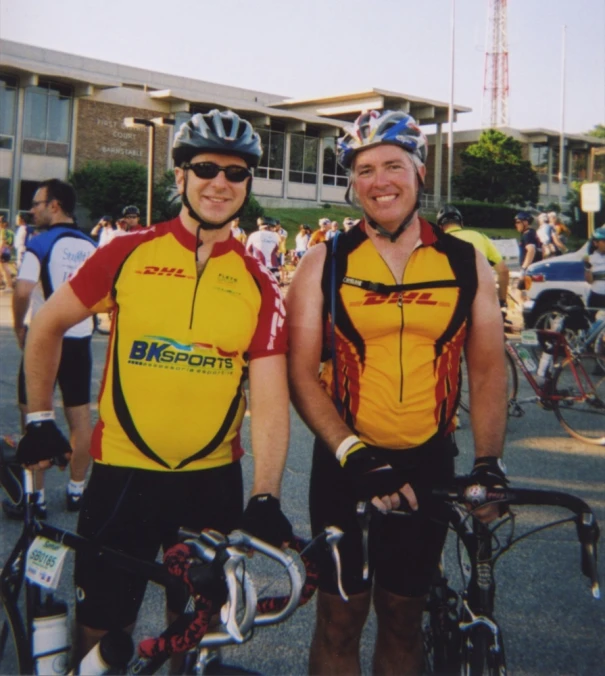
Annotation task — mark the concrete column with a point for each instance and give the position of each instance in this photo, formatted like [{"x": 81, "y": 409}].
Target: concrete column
[
  {"x": 438, "y": 162},
  {"x": 15, "y": 188}
]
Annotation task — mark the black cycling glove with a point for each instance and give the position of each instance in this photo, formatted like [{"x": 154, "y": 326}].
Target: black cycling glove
[
  {"x": 489, "y": 472},
  {"x": 264, "y": 519},
  {"x": 43, "y": 441},
  {"x": 368, "y": 475}
]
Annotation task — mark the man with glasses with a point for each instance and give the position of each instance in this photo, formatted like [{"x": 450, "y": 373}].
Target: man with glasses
[
  {"x": 131, "y": 219},
  {"x": 194, "y": 313},
  {"x": 51, "y": 258}
]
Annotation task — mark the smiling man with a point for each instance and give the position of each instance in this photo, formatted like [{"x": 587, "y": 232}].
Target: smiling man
[
  {"x": 391, "y": 303},
  {"x": 191, "y": 313}
]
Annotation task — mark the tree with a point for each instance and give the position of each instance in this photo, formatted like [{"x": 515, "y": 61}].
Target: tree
[
  {"x": 495, "y": 171},
  {"x": 106, "y": 188},
  {"x": 598, "y": 131}
]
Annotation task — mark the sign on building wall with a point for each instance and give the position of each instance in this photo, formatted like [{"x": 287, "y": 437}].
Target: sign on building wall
[{"x": 102, "y": 136}]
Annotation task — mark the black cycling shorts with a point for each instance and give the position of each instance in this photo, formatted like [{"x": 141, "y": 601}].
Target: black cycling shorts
[
  {"x": 404, "y": 551},
  {"x": 74, "y": 375},
  {"x": 138, "y": 511}
]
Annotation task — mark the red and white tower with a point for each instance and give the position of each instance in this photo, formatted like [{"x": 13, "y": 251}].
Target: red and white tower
[{"x": 495, "y": 80}]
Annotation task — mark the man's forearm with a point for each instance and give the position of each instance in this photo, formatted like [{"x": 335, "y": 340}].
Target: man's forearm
[
  {"x": 317, "y": 410},
  {"x": 489, "y": 411},
  {"x": 42, "y": 356}
]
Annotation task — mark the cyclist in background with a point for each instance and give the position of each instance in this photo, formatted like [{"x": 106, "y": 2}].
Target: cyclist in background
[
  {"x": 238, "y": 232},
  {"x": 530, "y": 247},
  {"x": 193, "y": 310},
  {"x": 50, "y": 259},
  {"x": 263, "y": 244},
  {"x": 594, "y": 265},
  {"x": 449, "y": 219},
  {"x": 383, "y": 406}
]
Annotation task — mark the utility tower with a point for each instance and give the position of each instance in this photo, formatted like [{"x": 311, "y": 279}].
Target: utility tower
[{"x": 495, "y": 79}]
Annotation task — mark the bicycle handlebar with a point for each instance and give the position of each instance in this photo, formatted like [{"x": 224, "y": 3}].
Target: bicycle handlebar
[
  {"x": 586, "y": 524},
  {"x": 475, "y": 495}
]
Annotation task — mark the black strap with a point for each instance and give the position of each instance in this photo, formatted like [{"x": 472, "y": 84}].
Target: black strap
[
  {"x": 333, "y": 292},
  {"x": 396, "y": 288}
]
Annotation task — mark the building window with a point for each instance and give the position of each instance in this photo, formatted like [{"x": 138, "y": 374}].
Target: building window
[
  {"x": 303, "y": 158},
  {"x": 8, "y": 110},
  {"x": 538, "y": 156},
  {"x": 555, "y": 164},
  {"x": 579, "y": 165},
  {"x": 333, "y": 173},
  {"x": 271, "y": 164},
  {"x": 47, "y": 118},
  {"x": 5, "y": 188}
]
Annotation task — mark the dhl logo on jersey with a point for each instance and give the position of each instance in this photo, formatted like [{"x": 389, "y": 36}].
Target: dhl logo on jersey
[
  {"x": 399, "y": 297},
  {"x": 163, "y": 272},
  {"x": 160, "y": 351}
]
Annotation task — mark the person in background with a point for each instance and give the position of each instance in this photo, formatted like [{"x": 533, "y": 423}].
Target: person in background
[
  {"x": 320, "y": 234},
  {"x": 562, "y": 232},
  {"x": 104, "y": 230},
  {"x": 263, "y": 244},
  {"x": 282, "y": 250},
  {"x": 238, "y": 232},
  {"x": 51, "y": 258},
  {"x": 302, "y": 240},
  {"x": 22, "y": 235},
  {"x": 6, "y": 251},
  {"x": 546, "y": 233},
  {"x": 449, "y": 219},
  {"x": 530, "y": 247},
  {"x": 333, "y": 231},
  {"x": 594, "y": 273}
]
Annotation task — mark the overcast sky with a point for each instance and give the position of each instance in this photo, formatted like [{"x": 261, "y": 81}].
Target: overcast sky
[{"x": 303, "y": 48}]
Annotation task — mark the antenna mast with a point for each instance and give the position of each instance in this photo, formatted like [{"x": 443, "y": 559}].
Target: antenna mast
[{"x": 495, "y": 80}]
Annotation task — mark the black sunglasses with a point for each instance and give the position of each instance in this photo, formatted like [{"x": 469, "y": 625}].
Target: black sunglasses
[{"x": 208, "y": 170}]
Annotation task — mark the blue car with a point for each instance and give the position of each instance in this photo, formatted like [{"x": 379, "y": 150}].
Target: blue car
[{"x": 558, "y": 279}]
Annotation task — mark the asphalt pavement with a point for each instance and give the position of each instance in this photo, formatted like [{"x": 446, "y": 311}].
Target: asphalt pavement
[{"x": 551, "y": 624}]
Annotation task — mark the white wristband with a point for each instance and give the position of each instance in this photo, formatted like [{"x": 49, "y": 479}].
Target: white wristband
[
  {"x": 344, "y": 446},
  {"x": 39, "y": 416}
]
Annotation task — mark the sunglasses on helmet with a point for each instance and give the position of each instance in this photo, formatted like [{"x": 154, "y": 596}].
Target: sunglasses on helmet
[{"x": 207, "y": 170}]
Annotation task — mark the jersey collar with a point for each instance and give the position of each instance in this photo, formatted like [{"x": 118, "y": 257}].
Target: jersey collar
[{"x": 188, "y": 240}]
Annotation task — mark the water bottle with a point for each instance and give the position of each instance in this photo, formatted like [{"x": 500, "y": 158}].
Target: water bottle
[
  {"x": 111, "y": 654},
  {"x": 527, "y": 359},
  {"x": 50, "y": 639}
]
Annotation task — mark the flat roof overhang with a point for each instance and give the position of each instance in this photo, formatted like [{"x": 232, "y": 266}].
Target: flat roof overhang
[
  {"x": 256, "y": 113},
  {"x": 346, "y": 107}
]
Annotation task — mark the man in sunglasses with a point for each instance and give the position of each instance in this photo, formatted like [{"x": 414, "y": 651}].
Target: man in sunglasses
[{"x": 193, "y": 313}]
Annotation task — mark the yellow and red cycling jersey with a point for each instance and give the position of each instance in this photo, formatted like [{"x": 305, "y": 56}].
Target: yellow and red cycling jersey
[
  {"x": 172, "y": 392},
  {"x": 397, "y": 346}
]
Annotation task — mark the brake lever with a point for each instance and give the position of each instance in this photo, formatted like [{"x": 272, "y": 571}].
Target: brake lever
[
  {"x": 333, "y": 537},
  {"x": 363, "y": 518}
]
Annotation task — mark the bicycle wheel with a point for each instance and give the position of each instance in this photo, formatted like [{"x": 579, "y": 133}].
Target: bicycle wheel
[
  {"x": 579, "y": 398},
  {"x": 479, "y": 655},
  {"x": 599, "y": 348},
  {"x": 512, "y": 382}
]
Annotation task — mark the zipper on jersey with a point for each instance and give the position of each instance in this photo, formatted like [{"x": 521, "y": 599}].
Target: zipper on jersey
[
  {"x": 400, "y": 306},
  {"x": 198, "y": 277}
]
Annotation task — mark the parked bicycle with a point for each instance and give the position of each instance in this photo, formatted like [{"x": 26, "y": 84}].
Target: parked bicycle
[
  {"x": 460, "y": 632},
  {"x": 572, "y": 384},
  {"x": 211, "y": 567}
]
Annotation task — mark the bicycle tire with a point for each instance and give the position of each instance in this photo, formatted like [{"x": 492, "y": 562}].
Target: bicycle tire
[
  {"x": 581, "y": 416},
  {"x": 512, "y": 379},
  {"x": 478, "y": 658},
  {"x": 599, "y": 348}
]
